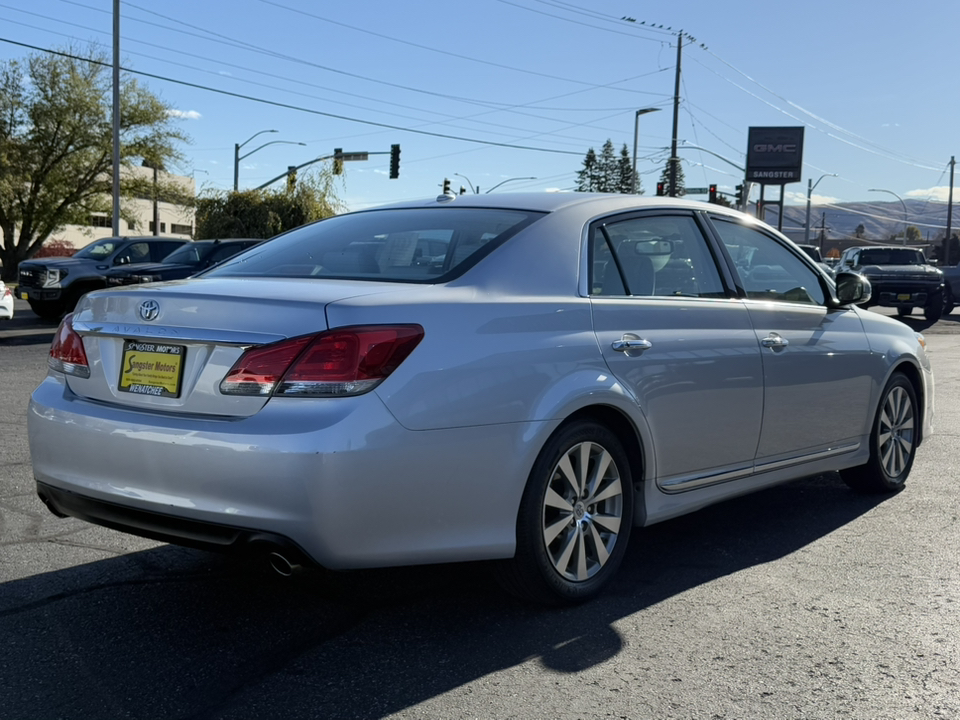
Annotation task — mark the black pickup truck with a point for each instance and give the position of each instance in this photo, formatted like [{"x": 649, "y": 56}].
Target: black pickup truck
[
  {"x": 53, "y": 285},
  {"x": 899, "y": 276}
]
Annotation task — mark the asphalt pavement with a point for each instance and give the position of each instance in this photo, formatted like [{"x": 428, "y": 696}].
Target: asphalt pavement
[{"x": 802, "y": 601}]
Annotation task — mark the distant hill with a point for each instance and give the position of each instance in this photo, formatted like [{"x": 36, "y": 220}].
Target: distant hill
[{"x": 881, "y": 220}]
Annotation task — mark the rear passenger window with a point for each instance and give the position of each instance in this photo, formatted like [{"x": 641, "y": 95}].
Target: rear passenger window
[
  {"x": 653, "y": 256},
  {"x": 767, "y": 269}
]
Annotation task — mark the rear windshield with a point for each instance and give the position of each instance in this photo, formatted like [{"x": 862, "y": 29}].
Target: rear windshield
[{"x": 406, "y": 245}]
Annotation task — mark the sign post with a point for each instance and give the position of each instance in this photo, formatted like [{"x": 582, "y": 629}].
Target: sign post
[{"x": 774, "y": 157}]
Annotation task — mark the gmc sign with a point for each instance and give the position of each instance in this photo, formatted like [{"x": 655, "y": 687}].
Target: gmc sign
[{"x": 774, "y": 155}]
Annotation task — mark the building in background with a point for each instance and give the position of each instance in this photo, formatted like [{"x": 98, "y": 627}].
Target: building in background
[{"x": 175, "y": 220}]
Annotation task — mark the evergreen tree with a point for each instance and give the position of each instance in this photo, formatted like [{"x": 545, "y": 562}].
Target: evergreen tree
[
  {"x": 625, "y": 174},
  {"x": 665, "y": 177},
  {"x": 587, "y": 177},
  {"x": 606, "y": 173},
  {"x": 608, "y": 168}
]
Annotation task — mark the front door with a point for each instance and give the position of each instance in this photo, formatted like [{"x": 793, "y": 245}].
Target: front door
[{"x": 817, "y": 390}]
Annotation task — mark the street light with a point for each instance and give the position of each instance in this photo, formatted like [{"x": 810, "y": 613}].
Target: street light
[
  {"x": 241, "y": 157},
  {"x": 236, "y": 155},
  {"x": 636, "y": 125},
  {"x": 506, "y": 181},
  {"x": 472, "y": 188},
  {"x": 904, "y": 209},
  {"x": 810, "y": 186}
]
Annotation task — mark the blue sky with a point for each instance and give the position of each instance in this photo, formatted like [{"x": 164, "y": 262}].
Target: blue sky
[{"x": 496, "y": 90}]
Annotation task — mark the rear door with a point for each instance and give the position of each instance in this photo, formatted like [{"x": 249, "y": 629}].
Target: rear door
[{"x": 671, "y": 331}]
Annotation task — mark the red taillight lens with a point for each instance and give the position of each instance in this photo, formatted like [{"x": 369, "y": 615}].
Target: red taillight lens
[
  {"x": 66, "y": 353},
  {"x": 335, "y": 363}
]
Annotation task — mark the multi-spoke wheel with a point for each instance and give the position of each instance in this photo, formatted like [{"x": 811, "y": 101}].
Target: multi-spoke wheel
[
  {"x": 575, "y": 517},
  {"x": 893, "y": 441}
]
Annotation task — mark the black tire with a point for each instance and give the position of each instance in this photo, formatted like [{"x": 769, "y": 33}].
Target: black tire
[
  {"x": 571, "y": 540},
  {"x": 47, "y": 310},
  {"x": 904, "y": 311},
  {"x": 934, "y": 309},
  {"x": 893, "y": 441},
  {"x": 948, "y": 302}
]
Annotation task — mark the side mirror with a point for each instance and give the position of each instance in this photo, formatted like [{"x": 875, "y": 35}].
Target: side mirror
[
  {"x": 853, "y": 288},
  {"x": 122, "y": 260}
]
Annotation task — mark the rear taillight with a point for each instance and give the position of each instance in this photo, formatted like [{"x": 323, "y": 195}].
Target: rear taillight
[
  {"x": 334, "y": 363},
  {"x": 66, "y": 352},
  {"x": 7, "y": 292}
]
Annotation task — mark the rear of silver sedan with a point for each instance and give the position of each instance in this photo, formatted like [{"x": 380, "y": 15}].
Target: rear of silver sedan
[{"x": 194, "y": 435}]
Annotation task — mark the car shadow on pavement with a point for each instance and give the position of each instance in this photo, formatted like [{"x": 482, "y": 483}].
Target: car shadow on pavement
[{"x": 176, "y": 633}]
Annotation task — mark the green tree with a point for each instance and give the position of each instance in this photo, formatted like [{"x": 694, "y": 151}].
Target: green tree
[
  {"x": 625, "y": 174},
  {"x": 265, "y": 213},
  {"x": 588, "y": 177},
  {"x": 913, "y": 234},
  {"x": 860, "y": 231},
  {"x": 606, "y": 173},
  {"x": 665, "y": 177},
  {"x": 56, "y": 147}
]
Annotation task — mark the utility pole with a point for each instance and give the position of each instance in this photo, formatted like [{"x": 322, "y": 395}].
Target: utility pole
[
  {"x": 672, "y": 192},
  {"x": 946, "y": 238},
  {"x": 116, "y": 119}
]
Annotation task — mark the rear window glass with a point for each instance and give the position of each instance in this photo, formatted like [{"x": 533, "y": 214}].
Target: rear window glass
[{"x": 407, "y": 245}]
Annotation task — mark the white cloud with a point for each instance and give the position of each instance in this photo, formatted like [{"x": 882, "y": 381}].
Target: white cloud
[
  {"x": 800, "y": 198},
  {"x": 185, "y": 114},
  {"x": 939, "y": 193}
]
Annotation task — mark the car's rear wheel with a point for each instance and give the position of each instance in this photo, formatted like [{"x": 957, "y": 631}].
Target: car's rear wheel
[
  {"x": 904, "y": 311},
  {"x": 893, "y": 441},
  {"x": 575, "y": 517}
]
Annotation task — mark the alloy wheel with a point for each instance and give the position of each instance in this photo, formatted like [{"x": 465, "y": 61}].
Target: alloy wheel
[{"x": 582, "y": 511}]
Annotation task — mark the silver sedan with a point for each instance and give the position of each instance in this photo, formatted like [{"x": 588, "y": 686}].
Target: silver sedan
[{"x": 521, "y": 378}]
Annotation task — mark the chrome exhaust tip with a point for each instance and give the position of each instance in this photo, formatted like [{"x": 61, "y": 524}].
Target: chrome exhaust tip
[{"x": 282, "y": 565}]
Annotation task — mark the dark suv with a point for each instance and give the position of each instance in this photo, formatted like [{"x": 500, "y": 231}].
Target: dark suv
[
  {"x": 900, "y": 278},
  {"x": 181, "y": 263},
  {"x": 53, "y": 285}
]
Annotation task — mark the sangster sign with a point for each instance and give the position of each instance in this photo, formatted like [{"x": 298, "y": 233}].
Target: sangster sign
[{"x": 774, "y": 155}]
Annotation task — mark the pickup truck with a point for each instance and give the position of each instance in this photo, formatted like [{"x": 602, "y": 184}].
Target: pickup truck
[
  {"x": 53, "y": 285},
  {"x": 900, "y": 277}
]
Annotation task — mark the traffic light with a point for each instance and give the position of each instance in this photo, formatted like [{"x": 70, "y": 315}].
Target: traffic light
[
  {"x": 739, "y": 195},
  {"x": 446, "y": 186},
  {"x": 713, "y": 194},
  {"x": 291, "y": 178},
  {"x": 338, "y": 161},
  {"x": 394, "y": 162},
  {"x": 661, "y": 189}
]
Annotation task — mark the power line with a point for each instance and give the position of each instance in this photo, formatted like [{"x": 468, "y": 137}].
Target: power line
[{"x": 288, "y": 106}]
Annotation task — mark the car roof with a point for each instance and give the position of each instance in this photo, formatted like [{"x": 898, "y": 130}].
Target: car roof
[{"x": 553, "y": 201}]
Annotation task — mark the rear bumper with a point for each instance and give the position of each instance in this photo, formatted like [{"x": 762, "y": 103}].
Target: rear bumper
[
  {"x": 163, "y": 527},
  {"x": 339, "y": 479}
]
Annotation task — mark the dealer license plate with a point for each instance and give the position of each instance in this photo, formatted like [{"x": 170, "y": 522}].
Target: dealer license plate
[
  {"x": 150, "y": 368},
  {"x": 24, "y": 296},
  {"x": 905, "y": 297}
]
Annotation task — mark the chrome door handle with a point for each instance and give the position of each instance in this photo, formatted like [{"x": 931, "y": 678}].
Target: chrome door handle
[
  {"x": 773, "y": 340},
  {"x": 627, "y": 344}
]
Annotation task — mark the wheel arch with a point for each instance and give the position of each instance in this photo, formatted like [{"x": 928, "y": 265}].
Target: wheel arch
[
  {"x": 629, "y": 436},
  {"x": 915, "y": 376}
]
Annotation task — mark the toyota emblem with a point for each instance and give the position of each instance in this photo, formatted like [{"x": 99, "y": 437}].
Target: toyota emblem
[{"x": 149, "y": 310}]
